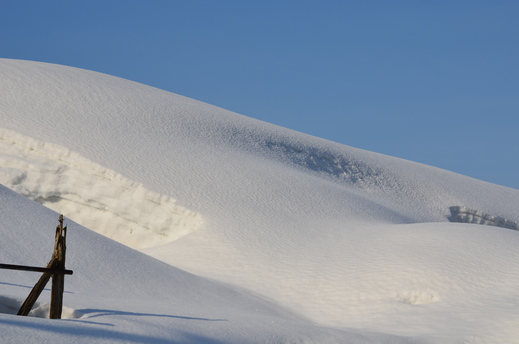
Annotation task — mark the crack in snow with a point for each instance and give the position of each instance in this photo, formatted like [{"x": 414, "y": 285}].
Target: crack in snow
[{"x": 467, "y": 215}]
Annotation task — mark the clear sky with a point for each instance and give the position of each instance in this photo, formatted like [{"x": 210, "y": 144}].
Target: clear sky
[{"x": 435, "y": 82}]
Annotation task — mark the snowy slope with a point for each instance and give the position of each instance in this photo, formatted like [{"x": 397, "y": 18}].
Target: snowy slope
[
  {"x": 345, "y": 237},
  {"x": 117, "y": 294}
]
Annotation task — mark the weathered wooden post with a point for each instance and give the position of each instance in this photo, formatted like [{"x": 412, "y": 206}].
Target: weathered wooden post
[{"x": 58, "y": 280}]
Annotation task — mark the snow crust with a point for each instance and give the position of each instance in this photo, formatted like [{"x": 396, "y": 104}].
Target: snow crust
[{"x": 322, "y": 242}]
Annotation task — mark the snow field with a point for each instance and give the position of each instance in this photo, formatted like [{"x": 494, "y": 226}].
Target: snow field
[{"x": 355, "y": 241}]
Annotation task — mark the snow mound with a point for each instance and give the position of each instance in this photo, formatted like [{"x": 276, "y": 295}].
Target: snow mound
[
  {"x": 98, "y": 198},
  {"x": 11, "y": 305}
]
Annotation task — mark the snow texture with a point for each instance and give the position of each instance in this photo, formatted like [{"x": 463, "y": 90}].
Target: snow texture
[
  {"x": 247, "y": 232},
  {"x": 466, "y": 215}
]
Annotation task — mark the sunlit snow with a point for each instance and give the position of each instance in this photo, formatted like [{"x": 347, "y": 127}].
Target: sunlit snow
[{"x": 247, "y": 232}]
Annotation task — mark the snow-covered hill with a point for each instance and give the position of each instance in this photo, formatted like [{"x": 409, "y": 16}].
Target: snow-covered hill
[{"x": 355, "y": 241}]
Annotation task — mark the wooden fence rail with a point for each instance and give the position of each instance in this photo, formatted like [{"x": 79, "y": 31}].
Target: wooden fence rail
[{"x": 35, "y": 268}]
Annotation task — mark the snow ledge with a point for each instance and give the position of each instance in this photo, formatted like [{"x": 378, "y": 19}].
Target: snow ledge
[{"x": 93, "y": 196}]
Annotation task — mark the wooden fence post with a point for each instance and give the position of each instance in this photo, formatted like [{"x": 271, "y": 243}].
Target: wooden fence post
[
  {"x": 57, "y": 263},
  {"x": 58, "y": 280}
]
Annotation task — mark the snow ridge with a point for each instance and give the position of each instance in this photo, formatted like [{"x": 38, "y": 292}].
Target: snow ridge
[{"x": 98, "y": 198}]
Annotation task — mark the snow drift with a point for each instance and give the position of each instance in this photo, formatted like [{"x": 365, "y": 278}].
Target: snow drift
[{"x": 347, "y": 238}]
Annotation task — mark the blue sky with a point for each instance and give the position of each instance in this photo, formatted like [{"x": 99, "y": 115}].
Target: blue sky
[{"x": 435, "y": 82}]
